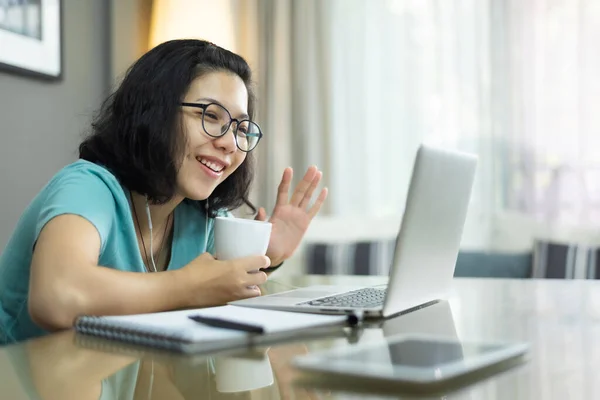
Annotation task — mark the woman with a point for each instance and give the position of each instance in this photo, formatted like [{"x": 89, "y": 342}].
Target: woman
[{"x": 170, "y": 149}]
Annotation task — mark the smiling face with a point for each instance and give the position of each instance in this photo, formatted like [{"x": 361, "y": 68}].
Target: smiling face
[{"x": 208, "y": 161}]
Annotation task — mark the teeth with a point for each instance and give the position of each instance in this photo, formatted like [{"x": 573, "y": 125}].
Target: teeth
[{"x": 215, "y": 167}]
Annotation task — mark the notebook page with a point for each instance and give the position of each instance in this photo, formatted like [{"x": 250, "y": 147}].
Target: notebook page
[
  {"x": 177, "y": 323},
  {"x": 272, "y": 321},
  {"x": 173, "y": 323}
]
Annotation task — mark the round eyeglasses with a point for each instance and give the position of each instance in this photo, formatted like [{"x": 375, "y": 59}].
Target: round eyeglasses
[{"x": 216, "y": 121}]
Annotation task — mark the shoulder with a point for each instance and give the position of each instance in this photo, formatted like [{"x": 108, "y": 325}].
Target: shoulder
[
  {"x": 84, "y": 180},
  {"x": 85, "y": 189},
  {"x": 84, "y": 171}
]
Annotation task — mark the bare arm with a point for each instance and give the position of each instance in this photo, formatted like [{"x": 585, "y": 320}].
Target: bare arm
[
  {"x": 60, "y": 369},
  {"x": 66, "y": 281}
]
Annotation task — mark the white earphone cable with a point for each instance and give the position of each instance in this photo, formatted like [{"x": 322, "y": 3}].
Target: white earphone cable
[
  {"x": 206, "y": 226},
  {"x": 151, "y": 235}
]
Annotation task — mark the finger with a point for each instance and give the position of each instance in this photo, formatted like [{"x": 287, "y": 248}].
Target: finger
[
  {"x": 309, "y": 193},
  {"x": 314, "y": 210},
  {"x": 257, "y": 278},
  {"x": 252, "y": 263},
  {"x": 252, "y": 291},
  {"x": 303, "y": 185},
  {"x": 261, "y": 215},
  {"x": 283, "y": 190}
]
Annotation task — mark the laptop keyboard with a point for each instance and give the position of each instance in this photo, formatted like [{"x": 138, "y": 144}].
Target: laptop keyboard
[{"x": 361, "y": 298}]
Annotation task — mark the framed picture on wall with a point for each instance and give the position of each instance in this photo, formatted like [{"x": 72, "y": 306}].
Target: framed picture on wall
[{"x": 31, "y": 37}]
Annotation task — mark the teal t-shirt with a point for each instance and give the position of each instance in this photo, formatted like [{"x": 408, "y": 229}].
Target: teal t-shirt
[{"x": 94, "y": 193}]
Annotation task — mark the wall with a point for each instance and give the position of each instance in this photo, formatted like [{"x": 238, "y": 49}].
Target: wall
[
  {"x": 42, "y": 123},
  {"x": 130, "y": 26}
]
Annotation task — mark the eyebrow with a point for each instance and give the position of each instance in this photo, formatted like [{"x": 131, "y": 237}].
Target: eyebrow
[{"x": 211, "y": 100}]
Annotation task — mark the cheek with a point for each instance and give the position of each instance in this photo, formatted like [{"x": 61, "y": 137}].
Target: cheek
[
  {"x": 240, "y": 156},
  {"x": 237, "y": 160},
  {"x": 193, "y": 142},
  {"x": 195, "y": 136}
]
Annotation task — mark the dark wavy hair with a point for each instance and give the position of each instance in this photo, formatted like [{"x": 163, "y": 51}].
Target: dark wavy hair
[{"x": 138, "y": 134}]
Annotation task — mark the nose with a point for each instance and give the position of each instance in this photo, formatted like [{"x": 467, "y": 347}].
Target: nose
[{"x": 227, "y": 141}]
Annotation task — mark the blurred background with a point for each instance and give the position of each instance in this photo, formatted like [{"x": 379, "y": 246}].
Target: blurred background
[{"x": 354, "y": 86}]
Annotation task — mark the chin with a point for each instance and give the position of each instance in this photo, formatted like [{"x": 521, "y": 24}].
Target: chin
[
  {"x": 197, "y": 192},
  {"x": 198, "y": 189},
  {"x": 197, "y": 195}
]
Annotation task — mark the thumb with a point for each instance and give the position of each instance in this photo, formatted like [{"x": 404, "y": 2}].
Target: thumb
[{"x": 261, "y": 215}]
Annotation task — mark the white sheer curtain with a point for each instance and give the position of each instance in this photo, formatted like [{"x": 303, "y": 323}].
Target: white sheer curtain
[
  {"x": 553, "y": 124},
  {"x": 356, "y": 85},
  {"x": 405, "y": 72},
  {"x": 287, "y": 47}
]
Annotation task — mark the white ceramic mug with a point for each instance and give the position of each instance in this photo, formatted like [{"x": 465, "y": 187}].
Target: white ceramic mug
[{"x": 237, "y": 237}]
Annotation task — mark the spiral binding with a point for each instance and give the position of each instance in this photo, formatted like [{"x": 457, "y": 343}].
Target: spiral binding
[{"x": 96, "y": 326}]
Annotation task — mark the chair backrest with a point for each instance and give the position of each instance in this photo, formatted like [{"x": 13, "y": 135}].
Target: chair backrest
[{"x": 518, "y": 247}]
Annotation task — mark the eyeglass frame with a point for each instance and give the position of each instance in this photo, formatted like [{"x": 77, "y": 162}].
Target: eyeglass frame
[{"x": 203, "y": 107}]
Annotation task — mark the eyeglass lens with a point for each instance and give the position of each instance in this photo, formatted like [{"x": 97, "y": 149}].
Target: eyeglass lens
[{"x": 216, "y": 122}]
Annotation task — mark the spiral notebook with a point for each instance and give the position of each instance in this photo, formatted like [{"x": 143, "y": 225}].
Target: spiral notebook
[{"x": 175, "y": 331}]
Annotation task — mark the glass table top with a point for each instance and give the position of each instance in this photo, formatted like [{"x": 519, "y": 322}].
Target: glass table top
[{"x": 559, "y": 318}]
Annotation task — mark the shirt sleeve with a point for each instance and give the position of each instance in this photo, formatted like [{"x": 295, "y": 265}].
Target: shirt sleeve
[{"x": 82, "y": 193}]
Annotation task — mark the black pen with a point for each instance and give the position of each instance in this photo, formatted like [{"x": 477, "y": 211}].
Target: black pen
[{"x": 221, "y": 323}]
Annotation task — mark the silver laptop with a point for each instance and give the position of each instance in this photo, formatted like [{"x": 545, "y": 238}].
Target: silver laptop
[{"x": 426, "y": 248}]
